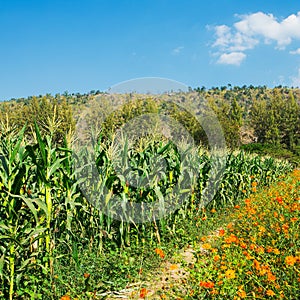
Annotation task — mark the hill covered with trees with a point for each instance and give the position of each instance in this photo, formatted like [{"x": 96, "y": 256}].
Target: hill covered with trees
[{"x": 258, "y": 119}]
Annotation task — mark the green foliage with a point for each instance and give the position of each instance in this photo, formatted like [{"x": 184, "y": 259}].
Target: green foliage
[
  {"x": 276, "y": 121},
  {"x": 47, "y": 225},
  {"x": 53, "y": 115},
  {"x": 51, "y": 234}
]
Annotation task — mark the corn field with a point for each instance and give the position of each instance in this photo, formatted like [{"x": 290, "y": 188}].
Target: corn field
[{"x": 48, "y": 202}]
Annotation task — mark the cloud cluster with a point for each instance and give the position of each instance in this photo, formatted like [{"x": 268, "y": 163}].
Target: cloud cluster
[
  {"x": 295, "y": 51},
  {"x": 251, "y": 30},
  {"x": 177, "y": 50}
]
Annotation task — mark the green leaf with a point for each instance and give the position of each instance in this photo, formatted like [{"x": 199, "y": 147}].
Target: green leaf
[{"x": 41, "y": 144}]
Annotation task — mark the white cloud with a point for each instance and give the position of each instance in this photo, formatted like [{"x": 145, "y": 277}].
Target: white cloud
[
  {"x": 297, "y": 51},
  {"x": 233, "y": 58},
  {"x": 256, "y": 28},
  {"x": 228, "y": 41},
  {"x": 296, "y": 80},
  {"x": 177, "y": 50}
]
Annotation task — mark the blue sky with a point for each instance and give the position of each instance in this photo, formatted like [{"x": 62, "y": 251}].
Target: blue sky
[{"x": 78, "y": 46}]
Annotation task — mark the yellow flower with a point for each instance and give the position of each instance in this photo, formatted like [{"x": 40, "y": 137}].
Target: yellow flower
[
  {"x": 230, "y": 274},
  {"x": 270, "y": 293},
  {"x": 242, "y": 294},
  {"x": 173, "y": 267},
  {"x": 206, "y": 246},
  {"x": 290, "y": 260}
]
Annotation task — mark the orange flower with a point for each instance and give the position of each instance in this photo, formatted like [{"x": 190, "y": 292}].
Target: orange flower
[
  {"x": 247, "y": 201},
  {"x": 242, "y": 294},
  {"x": 243, "y": 245},
  {"x": 216, "y": 257},
  {"x": 254, "y": 184},
  {"x": 248, "y": 256},
  {"x": 173, "y": 267},
  {"x": 256, "y": 264},
  {"x": 252, "y": 246},
  {"x": 231, "y": 239},
  {"x": 207, "y": 284},
  {"x": 143, "y": 293},
  {"x": 206, "y": 246},
  {"x": 221, "y": 232},
  {"x": 270, "y": 293},
  {"x": 214, "y": 292},
  {"x": 86, "y": 275},
  {"x": 159, "y": 252},
  {"x": 279, "y": 200},
  {"x": 271, "y": 277},
  {"x": 290, "y": 260},
  {"x": 65, "y": 297},
  {"x": 285, "y": 228},
  {"x": 230, "y": 274}
]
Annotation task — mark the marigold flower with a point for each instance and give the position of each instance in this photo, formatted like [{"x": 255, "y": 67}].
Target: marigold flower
[
  {"x": 86, "y": 275},
  {"x": 243, "y": 245},
  {"x": 207, "y": 284},
  {"x": 242, "y": 294},
  {"x": 271, "y": 276},
  {"x": 290, "y": 260},
  {"x": 221, "y": 232},
  {"x": 279, "y": 200},
  {"x": 65, "y": 297},
  {"x": 270, "y": 293},
  {"x": 276, "y": 251},
  {"x": 143, "y": 293},
  {"x": 248, "y": 256},
  {"x": 285, "y": 228},
  {"x": 216, "y": 257},
  {"x": 159, "y": 252},
  {"x": 230, "y": 274},
  {"x": 231, "y": 239},
  {"x": 173, "y": 267},
  {"x": 206, "y": 246},
  {"x": 214, "y": 292},
  {"x": 256, "y": 264},
  {"x": 252, "y": 246}
]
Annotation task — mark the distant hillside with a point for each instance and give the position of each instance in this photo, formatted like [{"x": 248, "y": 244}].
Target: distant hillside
[{"x": 254, "y": 118}]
